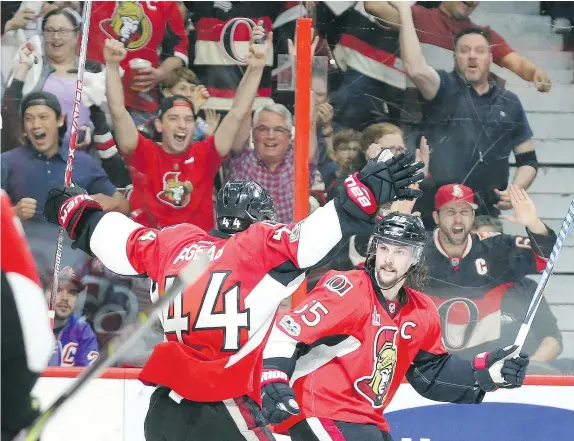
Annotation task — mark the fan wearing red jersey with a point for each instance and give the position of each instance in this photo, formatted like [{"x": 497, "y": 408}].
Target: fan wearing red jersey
[
  {"x": 209, "y": 368},
  {"x": 27, "y": 340},
  {"x": 173, "y": 180},
  {"x": 343, "y": 353}
]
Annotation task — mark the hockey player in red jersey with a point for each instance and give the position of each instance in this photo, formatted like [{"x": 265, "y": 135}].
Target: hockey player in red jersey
[
  {"x": 343, "y": 353},
  {"x": 27, "y": 341},
  {"x": 209, "y": 368}
]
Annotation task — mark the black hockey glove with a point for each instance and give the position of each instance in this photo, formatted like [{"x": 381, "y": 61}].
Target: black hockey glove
[
  {"x": 278, "y": 398},
  {"x": 65, "y": 206},
  {"x": 503, "y": 368},
  {"x": 381, "y": 182}
]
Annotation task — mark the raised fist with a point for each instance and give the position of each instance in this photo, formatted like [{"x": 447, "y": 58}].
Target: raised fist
[
  {"x": 259, "y": 46},
  {"x": 25, "y": 208},
  {"x": 114, "y": 51}
]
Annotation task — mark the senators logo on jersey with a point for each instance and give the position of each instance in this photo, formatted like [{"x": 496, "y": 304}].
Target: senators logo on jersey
[
  {"x": 339, "y": 284},
  {"x": 129, "y": 24},
  {"x": 175, "y": 192},
  {"x": 376, "y": 387}
]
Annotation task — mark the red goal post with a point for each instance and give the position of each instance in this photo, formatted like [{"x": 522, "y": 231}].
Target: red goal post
[{"x": 302, "y": 112}]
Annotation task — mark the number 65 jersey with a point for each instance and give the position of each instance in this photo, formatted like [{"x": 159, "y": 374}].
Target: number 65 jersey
[
  {"x": 216, "y": 330},
  {"x": 346, "y": 352}
]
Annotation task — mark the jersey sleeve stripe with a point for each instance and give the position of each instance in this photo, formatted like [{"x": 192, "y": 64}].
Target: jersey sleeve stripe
[
  {"x": 280, "y": 345},
  {"x": 321, "y": 355},
  {"x": 320, "y": 232},
  {"x": 109, "y": 242}
]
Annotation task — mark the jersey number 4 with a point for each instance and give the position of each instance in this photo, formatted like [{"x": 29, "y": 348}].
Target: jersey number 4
[{"x": 231, "y": 320}]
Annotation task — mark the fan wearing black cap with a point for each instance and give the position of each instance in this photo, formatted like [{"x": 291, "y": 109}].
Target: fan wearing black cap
[
  {"x": 29, "y": 171},
  {"x": 173, "y": 180},
  {"x": 333, "y": 364}
]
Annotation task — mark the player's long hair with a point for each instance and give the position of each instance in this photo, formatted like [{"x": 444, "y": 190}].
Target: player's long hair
[{"x": 418, "y": 276}]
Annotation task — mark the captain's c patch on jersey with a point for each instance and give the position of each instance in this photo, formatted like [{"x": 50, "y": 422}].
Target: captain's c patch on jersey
[{"x": 338, "y": 284}]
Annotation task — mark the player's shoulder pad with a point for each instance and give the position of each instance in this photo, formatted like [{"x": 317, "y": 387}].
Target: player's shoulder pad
[
  {"x": 277, "y": 230},
  {"x": 190, "y": 228},
  {"x": 487, "y": 235},
  {"x": 343, "y": 283}
]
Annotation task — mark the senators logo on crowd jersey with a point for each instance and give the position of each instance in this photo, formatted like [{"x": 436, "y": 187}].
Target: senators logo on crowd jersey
[
  {"x": 175, "y": 192},
  {"x": 376, "y": 387},
  {"x": 469, "y": 322},
  {"x": 129, "y": 24}
]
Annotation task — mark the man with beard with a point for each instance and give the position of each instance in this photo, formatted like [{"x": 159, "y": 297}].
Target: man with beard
[
  {"x": 343, "y": 354},
  {"x": 173, "y": 180},
  {"x": 76, "y": 343},
  {"x": 470, "y": 274},
  {"x": 472, "y": 123}
]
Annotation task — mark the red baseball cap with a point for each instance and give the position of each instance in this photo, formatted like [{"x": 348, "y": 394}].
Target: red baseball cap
[
  {"x": 454, "y": 193},
  {"x": 69, "y": 275}
]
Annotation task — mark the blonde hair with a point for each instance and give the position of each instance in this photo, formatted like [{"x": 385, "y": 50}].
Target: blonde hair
[{"x": 376, "y": 131}]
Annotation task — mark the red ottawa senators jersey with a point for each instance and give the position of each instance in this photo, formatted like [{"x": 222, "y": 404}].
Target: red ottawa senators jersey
[
  {"x": 357, "y": 353},
  {"x": 216, "y": 330},
  {"x": 21, "y": 290},
  {"x": 172, "y": 189},
  {"x": 27, "y": 340},
  {"x": 16, "y": 256},
  {"x": 141, "y": 27}
]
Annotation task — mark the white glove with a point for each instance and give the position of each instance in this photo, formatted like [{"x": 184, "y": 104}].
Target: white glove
[{"x": 94, "y": 89}]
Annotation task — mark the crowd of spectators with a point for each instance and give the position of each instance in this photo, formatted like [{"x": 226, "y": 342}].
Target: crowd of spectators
[{"x": 170, "y": 110}]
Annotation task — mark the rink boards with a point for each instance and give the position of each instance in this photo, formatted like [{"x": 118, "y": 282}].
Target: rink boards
[{"x": 113, "y": 409}]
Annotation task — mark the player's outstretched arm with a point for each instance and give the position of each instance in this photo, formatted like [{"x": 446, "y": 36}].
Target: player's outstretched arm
[
  {"x": 106, "y": 235},
  {"x": 312, "y": 241},
  {"x": 437, "y": 375},
  {"x": 448, "y": 378}
]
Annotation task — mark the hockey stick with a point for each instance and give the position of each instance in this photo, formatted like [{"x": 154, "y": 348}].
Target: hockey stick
[
  {"x": 188, "y": 275},
  {"x": 71, "y": 150},
  {"x": 527, "y": 322}
]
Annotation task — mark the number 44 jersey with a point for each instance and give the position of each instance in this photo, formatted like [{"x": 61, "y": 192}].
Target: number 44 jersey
[{"x": 216, "y": 330}]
